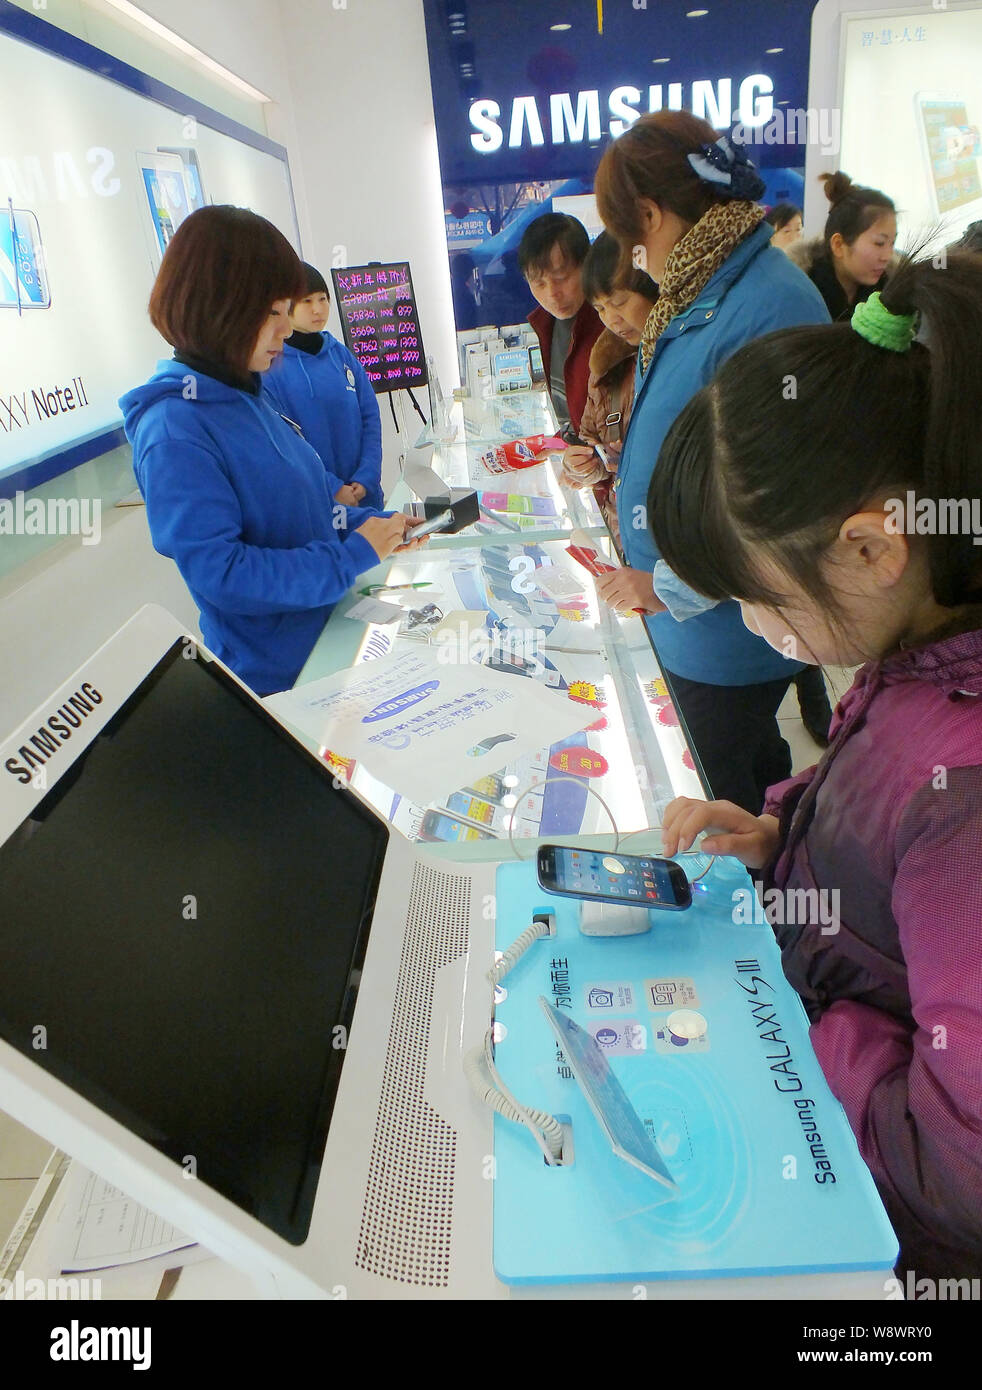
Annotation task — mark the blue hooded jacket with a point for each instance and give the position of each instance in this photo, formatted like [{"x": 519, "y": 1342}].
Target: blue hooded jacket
[
  {"x": 331, "y": 399},
  {"x": 242, "y": 505},
  {"x": 756, "y": 290}
]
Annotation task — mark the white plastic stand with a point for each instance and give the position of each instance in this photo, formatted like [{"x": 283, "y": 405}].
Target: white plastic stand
[{"x": 613, "y": 919}]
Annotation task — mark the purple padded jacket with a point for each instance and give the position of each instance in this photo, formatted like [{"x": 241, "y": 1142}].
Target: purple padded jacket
[{"x": 892, "y": 818}]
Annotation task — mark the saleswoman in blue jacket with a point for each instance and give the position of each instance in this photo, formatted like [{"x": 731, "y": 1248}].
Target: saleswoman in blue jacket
[
  {"x": 234, "y": 494},
  {"x": 323, "y": 387},
  {"x": 681, "y": 204}
]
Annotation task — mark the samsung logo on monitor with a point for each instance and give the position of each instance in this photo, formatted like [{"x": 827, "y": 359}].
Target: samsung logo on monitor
[
  {"x": 712, "y": 100},
  {"x": 57, "y": 729}
]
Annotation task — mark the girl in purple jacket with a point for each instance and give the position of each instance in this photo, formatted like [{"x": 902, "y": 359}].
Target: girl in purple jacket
[{"x": 859, "y": 539}]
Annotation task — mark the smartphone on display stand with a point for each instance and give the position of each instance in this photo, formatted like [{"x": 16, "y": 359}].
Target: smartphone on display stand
[{"x": 632, "y": 881}]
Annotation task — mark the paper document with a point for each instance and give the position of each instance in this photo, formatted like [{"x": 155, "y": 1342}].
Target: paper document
[
  {"x": 427, "y": 726},
  {"x": 102, "y": 1227}
]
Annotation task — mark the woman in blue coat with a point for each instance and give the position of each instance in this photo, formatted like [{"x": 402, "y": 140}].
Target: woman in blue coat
[
  {"x": 234, "y": 495},
  {"x": 681, "y": 204},
  {"x": 323, "y": 387}
]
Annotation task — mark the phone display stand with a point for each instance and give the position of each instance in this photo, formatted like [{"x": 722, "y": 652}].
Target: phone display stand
[
  {"x": 613, "y": 919},
  {"x": 710, "y": 1045}
]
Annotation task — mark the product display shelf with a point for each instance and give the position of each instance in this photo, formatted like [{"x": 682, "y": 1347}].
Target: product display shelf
[{"x": 537, "y": 602}]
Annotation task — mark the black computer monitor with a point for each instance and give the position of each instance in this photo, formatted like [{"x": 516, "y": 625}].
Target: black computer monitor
[{"x": 185, "y": 916}]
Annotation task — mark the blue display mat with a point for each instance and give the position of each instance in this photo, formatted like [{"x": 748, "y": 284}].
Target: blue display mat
[{"x": 770, "y": 1180}]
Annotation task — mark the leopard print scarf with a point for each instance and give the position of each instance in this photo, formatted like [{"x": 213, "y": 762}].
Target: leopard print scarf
[{"x": 694, "y": 261}]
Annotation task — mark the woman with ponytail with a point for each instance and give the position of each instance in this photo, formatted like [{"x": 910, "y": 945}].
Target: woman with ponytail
[
  {"x": 863, "y": 541},
  {"x": 681, "y": 204},
  {"x": 854, "y": 255}
]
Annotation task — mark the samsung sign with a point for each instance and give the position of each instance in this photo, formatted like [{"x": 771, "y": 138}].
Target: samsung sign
[{"x": 526, "y": 126}]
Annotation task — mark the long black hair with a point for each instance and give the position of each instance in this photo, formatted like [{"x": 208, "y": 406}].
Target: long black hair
[
  {"x": 801, "y": 428},
  {"x": 854, "y": 208}
]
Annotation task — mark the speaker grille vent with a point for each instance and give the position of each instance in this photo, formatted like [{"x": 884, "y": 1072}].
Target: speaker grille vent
[{"x": 408, "y": 1207}]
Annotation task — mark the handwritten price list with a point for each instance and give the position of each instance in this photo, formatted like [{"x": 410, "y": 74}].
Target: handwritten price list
[{"x": 381, "y": 324}]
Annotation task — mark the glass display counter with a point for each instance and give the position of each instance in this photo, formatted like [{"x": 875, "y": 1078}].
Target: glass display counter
[
  {"x": 516, "y": 600},
  {"x": 526, "y": 500}
]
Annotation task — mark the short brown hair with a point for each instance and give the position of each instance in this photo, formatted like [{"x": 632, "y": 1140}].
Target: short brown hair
[
  {"x": 650, "y": 160},
  {"x": 221, "y": 272}
]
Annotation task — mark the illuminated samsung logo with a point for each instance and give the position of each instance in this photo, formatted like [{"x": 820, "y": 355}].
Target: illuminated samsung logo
[
  {"x": 401, "y": 702},
  {"x": 712, "y": 100}
]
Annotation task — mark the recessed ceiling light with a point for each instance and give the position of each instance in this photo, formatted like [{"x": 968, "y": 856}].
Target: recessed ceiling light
[
  {"x": 661, "y": 60},
  {"x": 557, "y": 27},
  {"x": 774, "y": 50},
  {"x": 695, "y": 14}
]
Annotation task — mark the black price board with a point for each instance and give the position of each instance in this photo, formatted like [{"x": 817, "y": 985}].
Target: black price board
[{"x": 378, "y": 312}]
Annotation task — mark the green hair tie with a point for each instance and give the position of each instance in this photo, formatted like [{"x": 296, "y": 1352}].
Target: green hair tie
[{"x": 873, "y": 321}]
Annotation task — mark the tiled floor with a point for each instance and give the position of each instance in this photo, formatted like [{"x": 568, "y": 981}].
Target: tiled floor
[{"x": 22, "y": 1158}]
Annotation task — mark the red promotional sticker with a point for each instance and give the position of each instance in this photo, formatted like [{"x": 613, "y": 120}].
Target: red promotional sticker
[
  {"x": 579, "y": 762},
  {"x": 586, "y": 693},
  {"x": 341, "y": 767}
]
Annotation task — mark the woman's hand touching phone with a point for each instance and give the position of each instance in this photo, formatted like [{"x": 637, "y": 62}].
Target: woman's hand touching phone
[
  {"x": 411, "y": 524},
  {"x": 733, "y": 831},
  {"x": 387, "y": 533}
]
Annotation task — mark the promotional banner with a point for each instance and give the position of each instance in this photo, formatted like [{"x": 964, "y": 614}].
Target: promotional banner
[
  {"x": 93, "y": 184},
  {"x": 526, "y": 98},
  {"x": 916, "y": 76}
]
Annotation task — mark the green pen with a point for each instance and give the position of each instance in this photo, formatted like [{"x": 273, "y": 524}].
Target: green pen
[{"x": 391, "y": 588}]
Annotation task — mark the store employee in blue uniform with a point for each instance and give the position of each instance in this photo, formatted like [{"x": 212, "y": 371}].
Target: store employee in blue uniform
[
  {"x": 323, "y": 387},
  {"x": 234, "y": 495}
]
